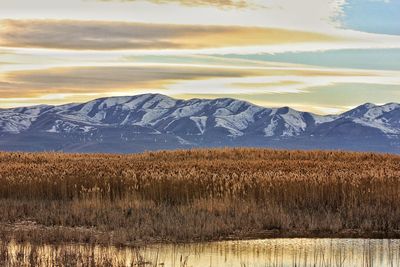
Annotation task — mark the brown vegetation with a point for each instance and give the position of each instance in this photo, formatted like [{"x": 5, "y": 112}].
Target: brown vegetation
[
  {"x": 25, "y": 255},
  {"x": 197, "y": 195}
]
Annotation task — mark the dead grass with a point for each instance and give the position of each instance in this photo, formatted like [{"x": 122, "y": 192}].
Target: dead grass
[{"x": 198, "y": 195}]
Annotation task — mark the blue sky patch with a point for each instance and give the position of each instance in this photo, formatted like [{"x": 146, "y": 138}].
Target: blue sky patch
[
  {"x": 375, "y": 16},
  {"x": 384, "y": 59}
]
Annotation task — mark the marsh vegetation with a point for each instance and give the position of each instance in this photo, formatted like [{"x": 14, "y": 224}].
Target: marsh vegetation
[{"x": 197, "y": 195}]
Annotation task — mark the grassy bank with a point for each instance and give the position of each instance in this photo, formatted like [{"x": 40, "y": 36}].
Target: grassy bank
[{"x": 197, "y": 195}]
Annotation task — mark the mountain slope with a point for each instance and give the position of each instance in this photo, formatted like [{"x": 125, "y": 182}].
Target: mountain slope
[{"x": 154, "y": 121}]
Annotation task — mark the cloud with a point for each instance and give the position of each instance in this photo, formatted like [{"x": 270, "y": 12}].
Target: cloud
[
  {"x": 104, "y": 35},
  {"x": 217, "y": 3},
  {"x": 77, "y": 84},
  {"x": 77, "y": 80},
  {"x": 177, "y": 79}
]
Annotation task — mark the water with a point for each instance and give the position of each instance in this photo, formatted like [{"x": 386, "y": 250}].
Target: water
[{"x": 254, "y": 253}]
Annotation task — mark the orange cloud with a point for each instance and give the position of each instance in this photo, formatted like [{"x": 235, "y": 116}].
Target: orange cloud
[
  {"x": 104, "y": 35},
  {"x": 83, "y": 80},
  {"x": 95, "y": 80}
]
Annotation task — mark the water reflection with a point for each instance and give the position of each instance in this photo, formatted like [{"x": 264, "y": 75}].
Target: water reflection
[{"x": 255, "y": 253}]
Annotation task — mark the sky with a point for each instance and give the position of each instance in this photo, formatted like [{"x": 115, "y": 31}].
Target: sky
[{"x": 322, "y": 56}]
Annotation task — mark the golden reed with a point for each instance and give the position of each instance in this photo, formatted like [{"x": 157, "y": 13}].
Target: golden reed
[{"x": 198, "y": 195}]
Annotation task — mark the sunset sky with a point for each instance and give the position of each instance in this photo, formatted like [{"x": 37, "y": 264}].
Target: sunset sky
[{"x": 323, "y": 56}]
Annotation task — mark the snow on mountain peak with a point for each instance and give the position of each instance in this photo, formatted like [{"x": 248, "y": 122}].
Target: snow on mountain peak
[
  {"x": 376, "y": 116},
  {"x": 165, "y": 115}
]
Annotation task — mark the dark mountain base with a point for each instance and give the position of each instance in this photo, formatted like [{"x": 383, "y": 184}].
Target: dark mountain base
[{"x": 135, "y": 143}]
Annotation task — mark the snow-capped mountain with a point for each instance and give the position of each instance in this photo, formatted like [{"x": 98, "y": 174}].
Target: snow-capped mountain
[{"x": 154, "y": 121}]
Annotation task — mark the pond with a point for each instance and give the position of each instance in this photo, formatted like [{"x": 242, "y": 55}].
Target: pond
[{"x": 254, "y": 253}]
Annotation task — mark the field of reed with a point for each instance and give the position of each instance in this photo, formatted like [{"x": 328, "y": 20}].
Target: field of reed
[{"x": 197, "y": 195}]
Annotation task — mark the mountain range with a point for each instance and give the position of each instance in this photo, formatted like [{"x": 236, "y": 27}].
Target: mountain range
[{"x": 155, "y": 121}]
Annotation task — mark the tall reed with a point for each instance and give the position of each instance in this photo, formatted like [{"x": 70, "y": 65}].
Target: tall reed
[{"x": 206, "y": 194}]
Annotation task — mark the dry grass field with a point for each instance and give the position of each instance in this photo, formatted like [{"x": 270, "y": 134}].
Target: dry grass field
[{"x": 197, "y": 195}]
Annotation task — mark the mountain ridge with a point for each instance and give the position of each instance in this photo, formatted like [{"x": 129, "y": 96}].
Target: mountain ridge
[{"x": 156, "y": 121}]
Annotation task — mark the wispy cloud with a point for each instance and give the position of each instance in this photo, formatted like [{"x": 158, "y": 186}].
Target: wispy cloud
[
  {"x": 107, "y": 79},
  {"x": 102, "y": 35},
  {"x": 61, "y": 85},
  {"x": 217, "y": 3}
]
